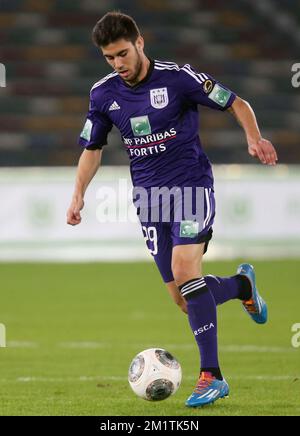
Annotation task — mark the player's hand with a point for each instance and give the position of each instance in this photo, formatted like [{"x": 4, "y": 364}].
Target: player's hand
[
  {"x": 73, "y": 214},
  {"x": 264, "y": 151}
]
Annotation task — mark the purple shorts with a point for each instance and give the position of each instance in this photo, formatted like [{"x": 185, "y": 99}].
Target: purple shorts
[{"x": 161, "y": 236}]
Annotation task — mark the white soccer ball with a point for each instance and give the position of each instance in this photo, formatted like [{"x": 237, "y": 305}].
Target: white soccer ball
[{"x": 154, "y": 374}]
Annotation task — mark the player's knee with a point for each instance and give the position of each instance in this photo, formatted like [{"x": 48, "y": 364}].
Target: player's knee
[{"x": 184, "y": 270}]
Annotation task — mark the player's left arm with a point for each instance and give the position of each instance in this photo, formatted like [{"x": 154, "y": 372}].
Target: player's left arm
[{"x": 257, "y": 145}]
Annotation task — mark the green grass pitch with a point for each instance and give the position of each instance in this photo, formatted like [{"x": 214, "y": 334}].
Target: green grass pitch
[{"x": 72, "y": 330}]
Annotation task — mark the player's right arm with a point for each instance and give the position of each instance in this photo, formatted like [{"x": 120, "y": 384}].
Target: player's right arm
[
  {"x": 93, "y": 137},
  {"x": 88, "y": 165}
]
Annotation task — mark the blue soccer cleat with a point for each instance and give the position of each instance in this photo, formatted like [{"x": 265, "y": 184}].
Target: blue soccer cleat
[
  {"x": 256, "y": 306},
  {"x": 207, "y": 391}
]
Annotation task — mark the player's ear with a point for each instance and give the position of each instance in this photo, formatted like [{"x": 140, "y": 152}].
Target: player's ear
[{"x": 140, "y": 43}]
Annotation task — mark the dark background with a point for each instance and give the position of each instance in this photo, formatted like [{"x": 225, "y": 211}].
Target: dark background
[{"x": 51, "y": 65}]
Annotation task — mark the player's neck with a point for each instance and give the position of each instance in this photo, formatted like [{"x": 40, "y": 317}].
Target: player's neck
[{"x": 143, "y": 72}]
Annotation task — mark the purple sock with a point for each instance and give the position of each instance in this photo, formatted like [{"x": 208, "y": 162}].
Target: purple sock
[
  {"x": 225, "y": 289},
  {"x": 202, "y": 313}
]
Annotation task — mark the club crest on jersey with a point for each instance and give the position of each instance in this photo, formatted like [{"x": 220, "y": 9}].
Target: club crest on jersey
[{"x": 159, "y": 98}]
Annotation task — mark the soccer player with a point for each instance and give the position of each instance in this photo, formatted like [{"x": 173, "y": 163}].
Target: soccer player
[{"x": 155, "y": 106}]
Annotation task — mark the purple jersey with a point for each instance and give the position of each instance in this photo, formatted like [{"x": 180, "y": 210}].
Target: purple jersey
[{"x": 159, "y": 123}]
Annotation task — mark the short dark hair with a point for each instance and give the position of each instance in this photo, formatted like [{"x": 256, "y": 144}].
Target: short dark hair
[{"x": 113, "y": 26}]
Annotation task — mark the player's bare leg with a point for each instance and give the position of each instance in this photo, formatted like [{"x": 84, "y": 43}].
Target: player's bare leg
[
  {"x": 176, "y": 296},
  {"x": 187, "y": 262}
]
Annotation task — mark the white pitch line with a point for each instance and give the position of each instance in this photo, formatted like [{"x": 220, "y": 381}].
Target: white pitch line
[
  {"x": 235, "y": 348},
  {"x": 124, "y": 379},
  {"x": 22, "y": 344},
  {"x": 82, "y": 378},
  {"x": 254, "y": 349},
  {"x": 224, "y": 348},
  {"x": 90, "y": 345}
]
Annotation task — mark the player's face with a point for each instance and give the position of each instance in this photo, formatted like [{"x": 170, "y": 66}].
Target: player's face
[{"x": 126, "y": 58}]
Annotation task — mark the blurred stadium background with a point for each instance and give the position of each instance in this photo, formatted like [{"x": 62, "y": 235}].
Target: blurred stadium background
[
  {"x": 63, "y": 336},
  {"x": 51, "y": 65}
]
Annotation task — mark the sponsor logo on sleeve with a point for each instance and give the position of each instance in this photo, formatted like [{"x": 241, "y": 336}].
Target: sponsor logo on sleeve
[
  {"x": 87, "y": 130},
  {"x": 220, "y": 95}
]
